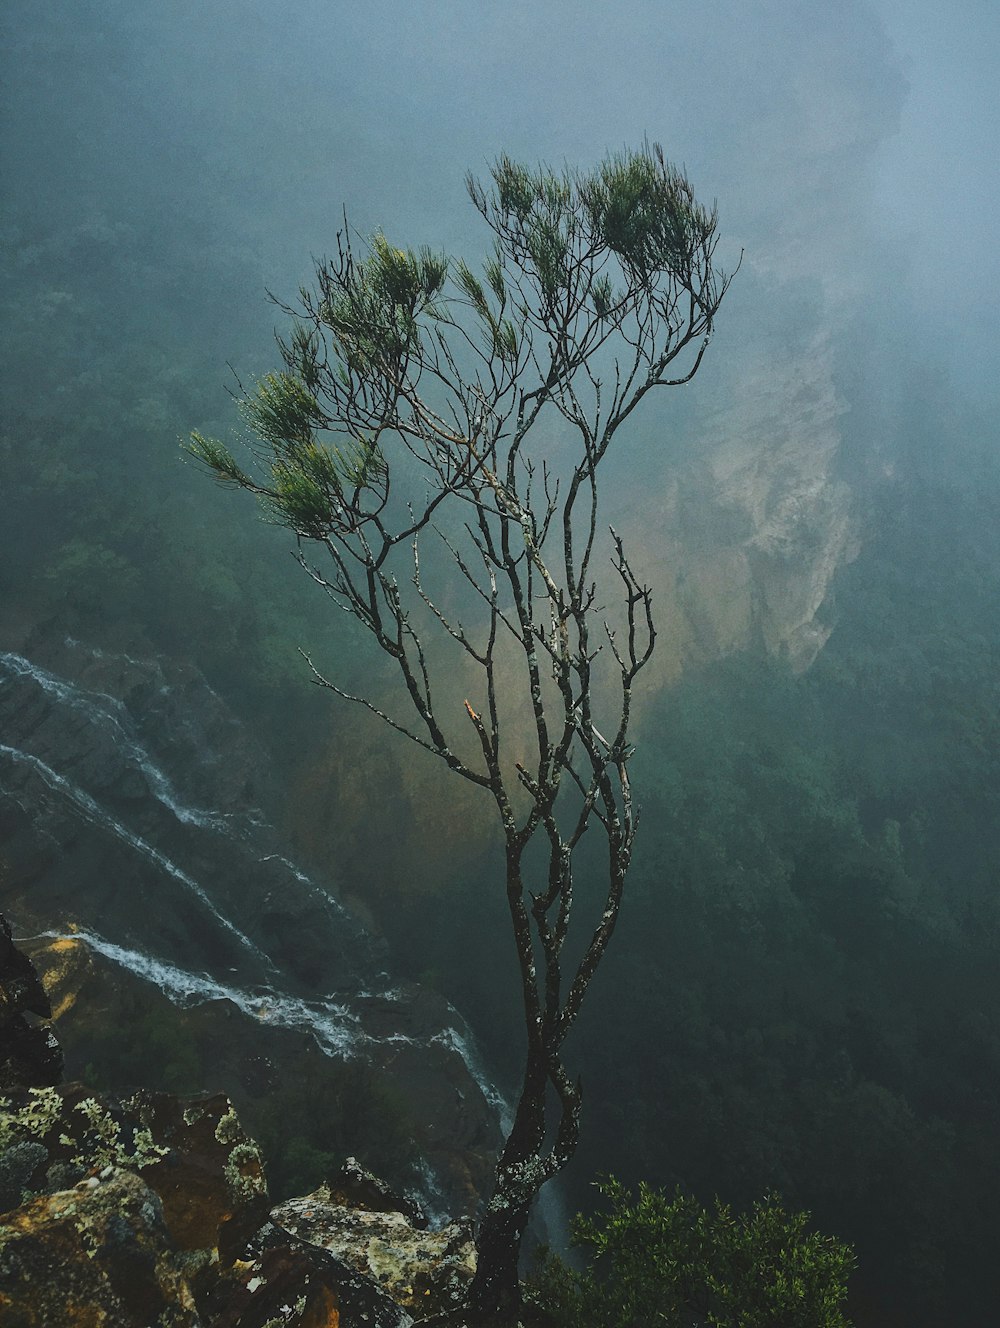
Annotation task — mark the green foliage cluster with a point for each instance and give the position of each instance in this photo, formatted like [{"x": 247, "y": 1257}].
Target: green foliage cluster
[
  {"x": 635, "y": 207},
  {"x": 33, "y": 1119},
  {"x": 28, "y": 1130},
  {"x": 657, "y": 1259},
  {"x": 373, "y": 313},
  {"x": 400, "y": 355},
  {"x": 104, "y": 1146}
]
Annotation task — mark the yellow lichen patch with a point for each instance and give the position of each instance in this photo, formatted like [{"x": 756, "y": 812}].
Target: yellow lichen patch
[
  {"x": 63, "y": 1005},
  {"x": 58, "y": 964}
]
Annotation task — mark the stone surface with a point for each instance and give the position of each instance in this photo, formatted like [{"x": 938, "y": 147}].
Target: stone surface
[
  {"x": 427, "y": 1272},
  {"x": 101, "y": 1255},
  {"x": 211, "y": 1181},
  {"x": 284, "y": 1280},
  {"x": 97, "y": 1254},
  {"x": 751, "y": 514},
  {"x": 207, "y": 1174},
  {"x": 168, "y": 1227},
  {"x": 29, "y": 1054},
  {"x": 354, "y": 1187}
]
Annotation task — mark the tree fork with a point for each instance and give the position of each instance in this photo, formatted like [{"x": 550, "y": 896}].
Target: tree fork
[{"x": 403, "y": 361}]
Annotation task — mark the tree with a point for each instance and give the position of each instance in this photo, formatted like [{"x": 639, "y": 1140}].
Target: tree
[
  {"x": 656, "y": 1259},
  {"x": 421, "y": 402}
]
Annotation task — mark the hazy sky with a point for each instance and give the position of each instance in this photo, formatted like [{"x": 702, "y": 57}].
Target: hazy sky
[
  {"x": 852, "y": 147},
  {"x": 825, "y": 131},
  {"x": 938, "y": 177}
]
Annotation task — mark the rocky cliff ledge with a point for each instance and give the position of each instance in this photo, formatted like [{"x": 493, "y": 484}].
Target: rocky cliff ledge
[
  {"x": 121, "y": 1029},
  {"x": 153, "y": 1213},
  {"x": 183, "y": 951}
]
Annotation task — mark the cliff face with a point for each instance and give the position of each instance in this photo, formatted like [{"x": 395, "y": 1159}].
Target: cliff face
[
  {"x": 750, "y": 521},
  {"x": 29, "y": 1053},
  {"x": 403, "y": 1090}
]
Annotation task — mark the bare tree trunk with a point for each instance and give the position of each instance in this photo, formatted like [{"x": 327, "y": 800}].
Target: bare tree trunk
[
  {"x": 528, "y": 1161},
  {"x": 495, "y": 1293}
]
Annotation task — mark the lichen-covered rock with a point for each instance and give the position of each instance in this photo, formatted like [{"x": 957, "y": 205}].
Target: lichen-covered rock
[
  {"x": 51, "y": 1137},
  {"x": 288, "y": 1282},
  {"x": 354, "y": 1187},
  {"x": 427, "y": 1272},
  {"x": 211, "y": 1181},
  {"x": 18, "y": 1164},
  {"x": 29, "y": 1055},
  {"x": 97, "y": 1254},
  {"x": 167, "y": 1226},
  {"x": 205, "y": 1172},
  {"x": 65, "y": 1133}
]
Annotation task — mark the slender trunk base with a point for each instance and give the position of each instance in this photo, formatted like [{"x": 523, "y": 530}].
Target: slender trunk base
[{"x": 494, "y": 1299}]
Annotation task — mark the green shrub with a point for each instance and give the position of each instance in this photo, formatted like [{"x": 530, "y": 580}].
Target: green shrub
[{"x": 657, "y": 1260}]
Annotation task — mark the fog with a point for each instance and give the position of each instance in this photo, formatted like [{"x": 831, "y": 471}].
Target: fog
[
  {"x": 851, "y": 150},
  {"x": 806, "y": 508}
]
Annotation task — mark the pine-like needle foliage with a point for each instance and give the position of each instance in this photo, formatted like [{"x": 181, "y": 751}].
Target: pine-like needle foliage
[
  {"x": 408, "y": 408},
  {"x": 378, "y": 357}
]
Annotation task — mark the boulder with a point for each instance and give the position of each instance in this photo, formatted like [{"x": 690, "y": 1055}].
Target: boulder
[
  {"x": 211, "y": 1180},
  {"x": 152, "y": 1212},
  {"x": 205, "y": 1173},
  {"x": 94, "y": 1255},
  {"x": 426, "y": 1272},
  {"x": 284, "y": 1280},
  {"x": 354, "y": 1187}
]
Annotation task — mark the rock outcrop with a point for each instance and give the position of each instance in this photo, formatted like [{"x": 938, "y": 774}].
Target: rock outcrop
[
  {"x": 262, "y": 1053},
  {"x": 96, "y": 1254},
  {"x": 750, "y": 512},
  {"x": 166, "y": 1196},
  {"x": 427, "y": 1272},
  {"x": 167, "y": 1226},
  {"x": 30, "y": 1056}
]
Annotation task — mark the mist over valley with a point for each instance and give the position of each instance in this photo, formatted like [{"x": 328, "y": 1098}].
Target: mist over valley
[{"x": 232, "y": 880}]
